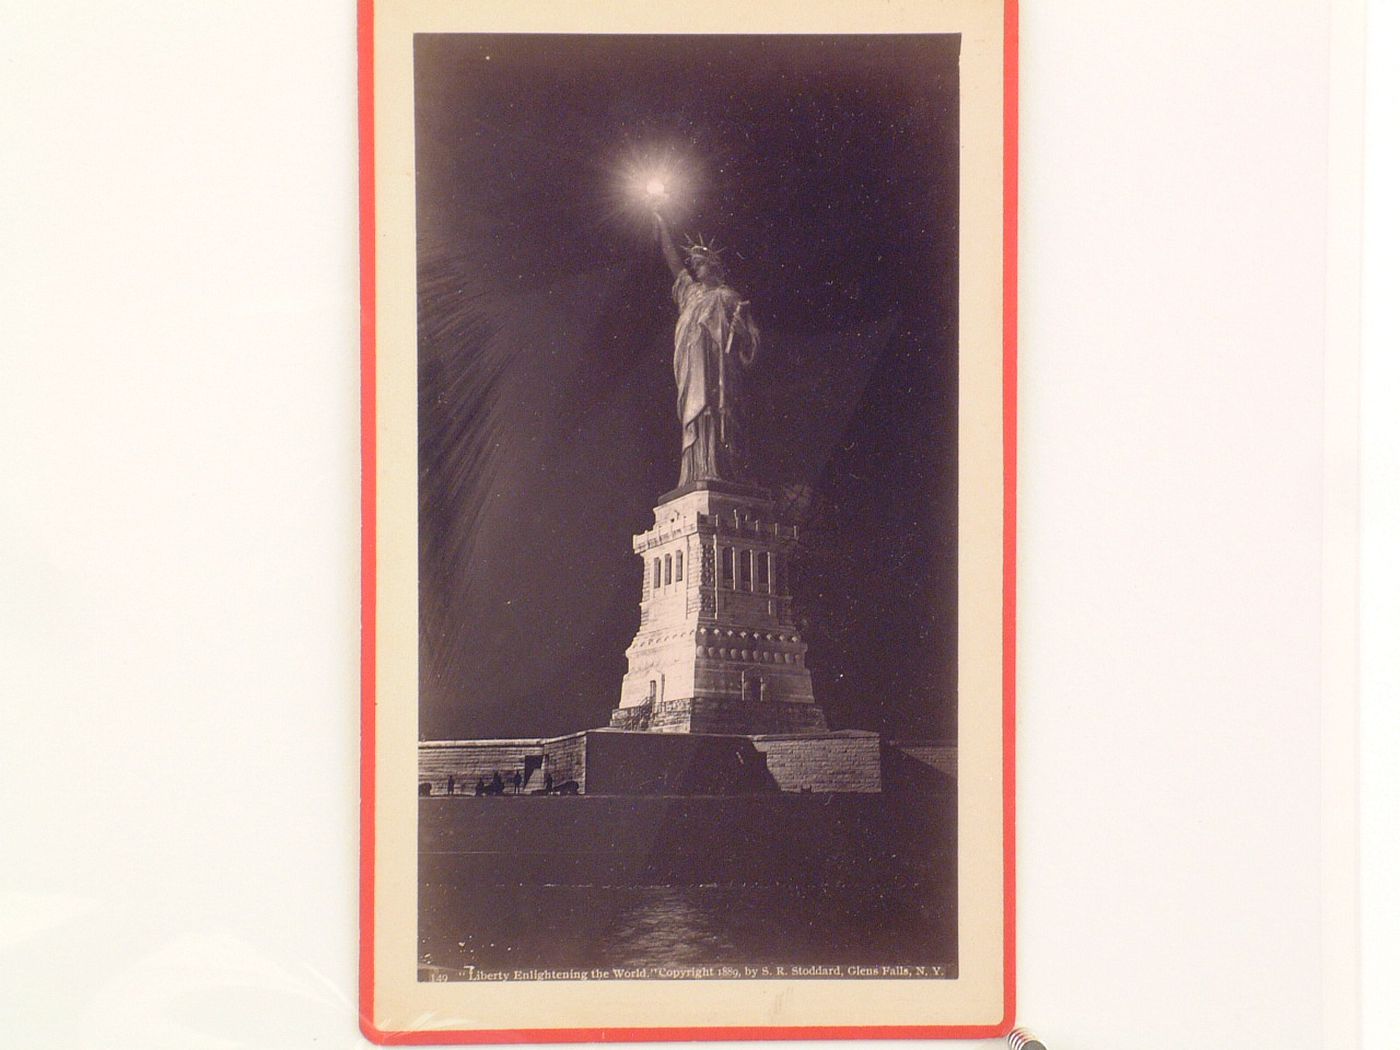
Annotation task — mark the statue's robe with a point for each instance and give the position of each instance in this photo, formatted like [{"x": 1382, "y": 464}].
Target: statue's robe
[{"x": 711, "y": 420}]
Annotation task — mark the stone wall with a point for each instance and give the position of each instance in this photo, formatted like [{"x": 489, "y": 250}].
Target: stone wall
[
  {"x": 920, "y": 765},
  {"x": 845, "y": 761},
  {"x": 567, "y": 759},
  {"x": 681, "y": 762},
  {"x": 466, "y": 760},
  {"x": 623, "y": 763},
  {"x": 940, "y": 756}
]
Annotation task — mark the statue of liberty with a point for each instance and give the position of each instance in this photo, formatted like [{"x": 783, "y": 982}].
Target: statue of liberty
[{"x": 716, "y": 342}]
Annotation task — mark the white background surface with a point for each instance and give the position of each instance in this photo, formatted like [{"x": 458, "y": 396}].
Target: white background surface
[{"x": 179, "y": 524}]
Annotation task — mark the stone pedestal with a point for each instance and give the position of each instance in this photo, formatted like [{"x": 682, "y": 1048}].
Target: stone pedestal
[{"x": 717, "y": 650}]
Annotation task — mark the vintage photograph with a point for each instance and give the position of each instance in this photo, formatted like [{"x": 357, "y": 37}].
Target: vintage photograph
[
  {"x": 687, "y": 389},
  {"x": 689, "y": 557}
]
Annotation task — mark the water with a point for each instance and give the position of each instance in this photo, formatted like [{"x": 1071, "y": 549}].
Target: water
[
  {"x": 601, "y": 881},
  {"x": 502, "y": 928}
]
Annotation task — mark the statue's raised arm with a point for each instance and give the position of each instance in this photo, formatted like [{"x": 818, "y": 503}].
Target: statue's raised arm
[{"x": 668, "y": 245}]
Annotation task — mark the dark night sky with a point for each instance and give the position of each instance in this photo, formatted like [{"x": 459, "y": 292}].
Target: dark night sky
[{"x": 547, "y": 428}]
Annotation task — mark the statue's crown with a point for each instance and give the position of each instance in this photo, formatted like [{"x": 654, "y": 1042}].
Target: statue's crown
[{"x": 696, "y": 246}]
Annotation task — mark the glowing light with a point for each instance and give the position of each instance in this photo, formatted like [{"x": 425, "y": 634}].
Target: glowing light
[
  {"x": 653, "y": 184},
  {"x": 654, "y": 179}
]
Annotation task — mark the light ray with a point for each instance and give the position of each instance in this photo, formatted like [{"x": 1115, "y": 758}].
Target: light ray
[{"x": 661, "y": 178}]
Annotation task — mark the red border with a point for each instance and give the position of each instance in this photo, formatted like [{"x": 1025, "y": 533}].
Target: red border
[
  {"x": 367, "y": 642},
  {"x": 368, "y": 521}
]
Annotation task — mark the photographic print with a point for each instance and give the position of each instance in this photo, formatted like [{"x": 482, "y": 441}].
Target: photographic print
[{"x": 687, "y": 530}]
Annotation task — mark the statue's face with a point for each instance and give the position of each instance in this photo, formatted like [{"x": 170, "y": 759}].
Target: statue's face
[{"x": 703, "y": 267}]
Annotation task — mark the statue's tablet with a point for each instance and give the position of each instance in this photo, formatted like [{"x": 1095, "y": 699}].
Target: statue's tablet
[{"x": 689, "y": 522}]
